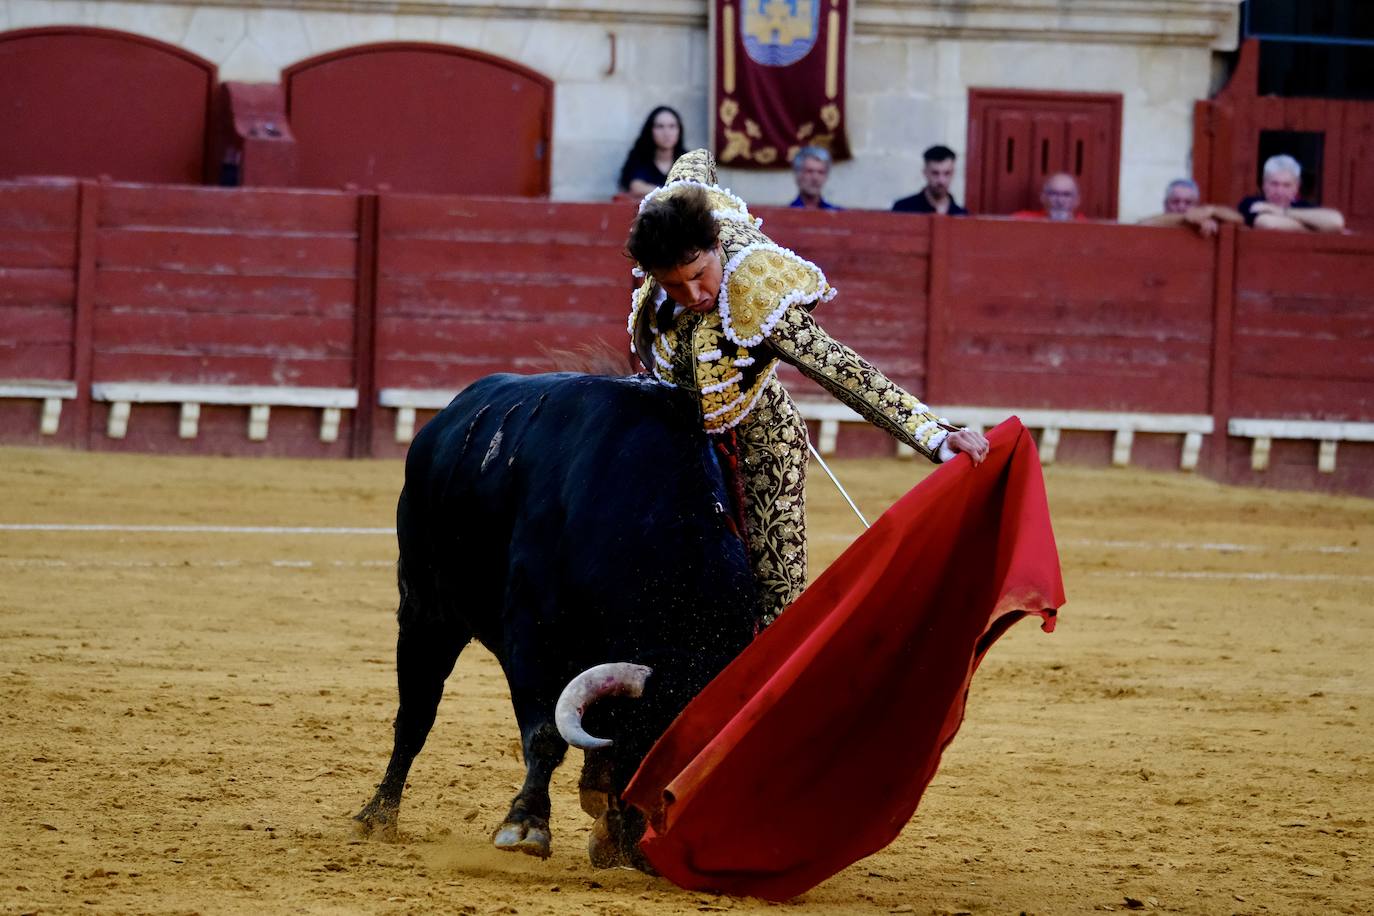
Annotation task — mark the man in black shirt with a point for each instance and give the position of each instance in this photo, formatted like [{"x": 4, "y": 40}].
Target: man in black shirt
[
  {"x": 1279, "y": 207},
  {"x": 935, "y": 196}
]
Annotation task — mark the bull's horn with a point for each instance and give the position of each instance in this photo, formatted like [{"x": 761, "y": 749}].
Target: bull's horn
[{"x": 616, "y": 679}]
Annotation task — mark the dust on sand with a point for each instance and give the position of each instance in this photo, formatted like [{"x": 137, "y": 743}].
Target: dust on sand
[{"x": 191, "y": 718}]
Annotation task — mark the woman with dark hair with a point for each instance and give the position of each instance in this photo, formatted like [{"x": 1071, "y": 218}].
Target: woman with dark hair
[
  {"x": 721, "y": 305},
  {"x": 658, "y": 147}
]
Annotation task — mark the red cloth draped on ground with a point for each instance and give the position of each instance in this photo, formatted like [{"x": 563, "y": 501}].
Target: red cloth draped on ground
[{"x": 811, "y": 750}]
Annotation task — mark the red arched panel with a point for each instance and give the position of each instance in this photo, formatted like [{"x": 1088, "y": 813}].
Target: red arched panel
[
  {"x": 90, "y": 102},
  {"x": 420, "y": 117}
]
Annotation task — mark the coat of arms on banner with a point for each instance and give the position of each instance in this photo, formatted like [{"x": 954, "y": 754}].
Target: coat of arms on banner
[
  {"x": 779, "y": 80},
  {"x": 778, "y": 33}
]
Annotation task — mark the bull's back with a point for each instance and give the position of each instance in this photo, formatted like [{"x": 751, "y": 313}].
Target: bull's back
[
  {"x": 576, "y": 476},
  {"x": 507, "y": 433}
]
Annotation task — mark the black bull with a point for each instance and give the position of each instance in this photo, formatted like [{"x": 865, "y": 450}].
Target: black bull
[{"x": 565, "y": 521}]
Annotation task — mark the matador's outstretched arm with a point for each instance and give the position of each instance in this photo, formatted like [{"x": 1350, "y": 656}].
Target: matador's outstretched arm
[{"x": 801, "y": 342}]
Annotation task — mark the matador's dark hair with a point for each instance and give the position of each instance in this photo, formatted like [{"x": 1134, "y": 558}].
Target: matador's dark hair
[{"x": 672, "y": 229}]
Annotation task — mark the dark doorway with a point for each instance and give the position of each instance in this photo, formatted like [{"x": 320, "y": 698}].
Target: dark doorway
[{"x": 1308, "y": 147}]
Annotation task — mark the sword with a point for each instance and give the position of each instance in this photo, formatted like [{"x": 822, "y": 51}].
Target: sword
[{"x": 836, "y": 481}]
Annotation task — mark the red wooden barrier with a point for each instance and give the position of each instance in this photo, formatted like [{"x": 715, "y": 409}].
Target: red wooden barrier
[
  {"x": 467, "y": 287},
  {"x": 1304, "y": 349},
  {"x": 1077, "y": 316},
  {"x": 879, "y": 262},
  {"x": 217, "y": 287},
  {"x": 38, "y": 224},
  {"x": 1081, "y": 317},
  {"x": 1304, "y": 327},
  {"x": 110, "y": 283}
]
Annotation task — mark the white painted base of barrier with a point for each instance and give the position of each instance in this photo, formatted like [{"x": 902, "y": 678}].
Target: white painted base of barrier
[
  {"x": 408, "y": 400},
  {"x": 259, "y": 399},
  {"x": 51, "y": 393},
  {"x": 1050, "y": 423},
  {"x": 1327, "y": 433},
  {"x": 831, "y": 414}
]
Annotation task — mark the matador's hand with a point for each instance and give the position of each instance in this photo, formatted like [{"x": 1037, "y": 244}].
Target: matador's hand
[{"x": 970, "y": 442}]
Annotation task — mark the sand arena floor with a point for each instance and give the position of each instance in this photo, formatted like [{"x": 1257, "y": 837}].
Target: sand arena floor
[{"x": 190, "y": 719}]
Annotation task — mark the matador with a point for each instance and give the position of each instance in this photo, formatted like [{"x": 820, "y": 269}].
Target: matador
[{"x": 721, "y": 305}]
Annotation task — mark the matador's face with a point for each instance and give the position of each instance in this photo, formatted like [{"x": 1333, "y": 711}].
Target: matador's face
[{"x": 696, "y": 284}]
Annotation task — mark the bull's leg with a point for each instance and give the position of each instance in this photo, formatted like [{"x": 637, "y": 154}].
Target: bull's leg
[
  {"x": 526, "y": 827},
  {"x": 614, "y": 840},
  {"x": 426, "y": 652},
  {"x": 597, "y": 783}
]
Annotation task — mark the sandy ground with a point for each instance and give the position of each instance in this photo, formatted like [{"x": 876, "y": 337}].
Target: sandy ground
[{"x": 190, "y": 719}]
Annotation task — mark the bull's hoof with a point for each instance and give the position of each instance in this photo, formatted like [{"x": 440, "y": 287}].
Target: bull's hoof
[
  {"x": 614, "y": 843},
  {"x": 376, "y": 820},
  {"x": 639, "y": 862},
  {"x": 531, "y": 839},
  {"x": 594, "y": 801},
  {"x": 603, "y": 848}
]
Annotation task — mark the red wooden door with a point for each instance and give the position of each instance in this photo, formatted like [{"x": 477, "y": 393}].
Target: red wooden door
[
  {"x": 1018, "y": 138},
  {"x": 420, "y": 117},
  {"x": 90, "y": 102},
  {"x": 1358, "y": 159}
]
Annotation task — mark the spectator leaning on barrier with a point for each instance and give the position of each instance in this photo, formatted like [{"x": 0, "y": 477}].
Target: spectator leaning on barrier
[
  {"x": 1181, "y": 195},
  {"x": 1059, "y": 197},
  {"x": 935, "y": 196},
  {"x": 1279, "y": 207},
  {"x": 811, "y": 168},
  {"x": 1181, "y": 208}
]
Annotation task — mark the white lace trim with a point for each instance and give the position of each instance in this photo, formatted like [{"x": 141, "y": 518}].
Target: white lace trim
[
  {"x": 660, "y": 361},
  {"x": 709, "y": 356},
  {"x": 668, "y": 188},
  {"x": 636, "y": 304},
  {"x": 744, "y": 361},
  {"x": 735, "y": 216},
  {"x": 919, "y": 433},
  {"x": 721, "y": 386},
  {"x": 824, "y": 293},
  {"x": 748, "y": 408}
]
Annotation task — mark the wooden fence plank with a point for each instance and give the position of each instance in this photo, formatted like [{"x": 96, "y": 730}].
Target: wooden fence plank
[{"x": 280, "y": 211}]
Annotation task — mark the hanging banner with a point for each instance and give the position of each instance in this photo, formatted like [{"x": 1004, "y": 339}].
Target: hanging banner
[{"x": 779, "y": 80}]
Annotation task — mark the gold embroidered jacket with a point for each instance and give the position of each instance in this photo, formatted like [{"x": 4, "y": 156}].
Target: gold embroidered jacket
[
  {"x": 728, "y": 390},
  {"x": 762, "y": 315}
]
